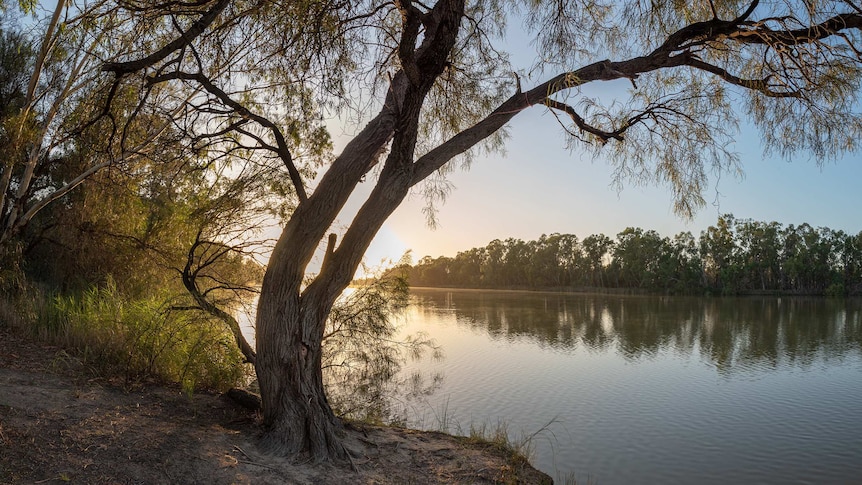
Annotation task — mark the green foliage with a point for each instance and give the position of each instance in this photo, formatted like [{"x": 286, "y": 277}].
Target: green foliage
[
  {"x": 142, "y": 338},
  {"x": 15, "y": 56},
  {"x": 27, "y": 6},
  {"x": 835, "y": 290}
]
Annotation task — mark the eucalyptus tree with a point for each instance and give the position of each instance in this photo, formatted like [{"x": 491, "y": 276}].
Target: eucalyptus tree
[
  {"x": 427, "y": 83},
  {"x": 54, "y": 95},
  {"x": 809, "y": 258},
  {"x": 849, "y": 261},
  {"x": 638, "y": 256},
  {"x": 553, "y": 260},
  {"x": 718, "y": 251},
  {"x": 689, "y": 265},
  {"x": 466, "y": 268},
  {"x": 492, "y": 271},
  {"x": 759, "y": 247}
]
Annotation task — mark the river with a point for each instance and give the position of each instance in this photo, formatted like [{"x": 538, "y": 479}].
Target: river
[{"x": 650, "y": 389}]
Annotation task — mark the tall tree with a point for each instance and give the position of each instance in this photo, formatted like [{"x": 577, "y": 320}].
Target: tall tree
[
  {"x": 440, "y": 86},
  {"x": 596, "y": 248},
  {"x": 718, "y": 250}
]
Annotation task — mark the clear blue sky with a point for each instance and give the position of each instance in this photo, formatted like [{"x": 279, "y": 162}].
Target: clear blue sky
[{"x": 539, "y": 187}]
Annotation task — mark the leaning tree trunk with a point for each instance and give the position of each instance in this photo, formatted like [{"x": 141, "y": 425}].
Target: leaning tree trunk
[
  {"x": 296, "y": 412},
  {"x": 291, "y": 319},
  {"x": 291, "y": 322}
]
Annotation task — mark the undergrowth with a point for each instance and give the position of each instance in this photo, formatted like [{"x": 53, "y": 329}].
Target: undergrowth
[
  {"x": 135, "y": 339},
  {"x": 498, "y": 438}
]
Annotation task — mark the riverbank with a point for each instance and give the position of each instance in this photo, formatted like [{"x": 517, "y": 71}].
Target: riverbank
[{"x": 61, "y": 424}]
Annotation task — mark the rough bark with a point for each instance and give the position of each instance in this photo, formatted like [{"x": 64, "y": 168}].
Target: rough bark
[{"x": 297, "y": 415}]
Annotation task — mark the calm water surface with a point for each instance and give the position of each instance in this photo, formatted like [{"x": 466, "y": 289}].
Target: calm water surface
[{"x": 652, "y": 389}]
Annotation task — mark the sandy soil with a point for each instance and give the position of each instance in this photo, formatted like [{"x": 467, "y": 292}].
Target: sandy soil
[{"x": 59, "y": 424}]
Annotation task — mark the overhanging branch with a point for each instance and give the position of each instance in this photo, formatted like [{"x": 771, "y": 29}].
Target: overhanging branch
[
  {"x": 760, "y": 85},
  {"x": 674, "y": 52},
  {"x": 761, "y": 34},
  {"x": 283, "y": 150}
]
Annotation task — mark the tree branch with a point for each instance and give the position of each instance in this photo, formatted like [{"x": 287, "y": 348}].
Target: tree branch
[
  {"x": 760, "y": 85},
  {"x": 466, "y": 139},
  {"x": 666, "y": 55},
  {"x": 813, "y": 33},
  {"x": 750, "y": 10},
  {"x": 411, "y": 22},
  {"x": 283, "y": 150},
  {"x": 602, "y": 135},
  {"x": 185, "y": 39},
  {"x": 189, "y": 281}
]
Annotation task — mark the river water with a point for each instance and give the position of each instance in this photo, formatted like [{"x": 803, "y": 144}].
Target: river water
[{"x": 645, "y": 389}]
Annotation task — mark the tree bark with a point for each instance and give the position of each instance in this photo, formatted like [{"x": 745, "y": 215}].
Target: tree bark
[
  {"x": 291, "y": 320},
  {"x": 296, "y": 413}
]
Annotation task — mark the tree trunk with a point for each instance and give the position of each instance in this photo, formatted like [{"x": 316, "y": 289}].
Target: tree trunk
[
  {"x": 296, "y": 413},
  {"x": 291, "y": 319}
]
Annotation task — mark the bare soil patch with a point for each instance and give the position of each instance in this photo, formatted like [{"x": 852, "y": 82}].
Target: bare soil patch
[{"x": 61, "y": 424}]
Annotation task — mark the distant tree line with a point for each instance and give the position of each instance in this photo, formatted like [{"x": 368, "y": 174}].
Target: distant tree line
[{"x": 735, "y": 256}]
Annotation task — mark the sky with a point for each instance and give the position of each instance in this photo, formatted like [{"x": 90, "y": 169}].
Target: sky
[{"x": 540, "y": 187}]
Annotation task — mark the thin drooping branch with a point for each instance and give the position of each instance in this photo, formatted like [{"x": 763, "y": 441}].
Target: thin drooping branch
[
  {"x": 189, "y": 277},
  {"x": 761, "y": 85},
  {"x": 579, "y": 121},
  {"x": 235, "y": 126}
]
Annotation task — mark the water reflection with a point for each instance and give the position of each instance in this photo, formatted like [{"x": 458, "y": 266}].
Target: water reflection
[{"x": 730, "y": 333}]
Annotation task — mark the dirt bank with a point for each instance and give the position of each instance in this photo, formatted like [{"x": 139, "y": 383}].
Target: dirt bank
[{"x": 60, "y": 424}]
